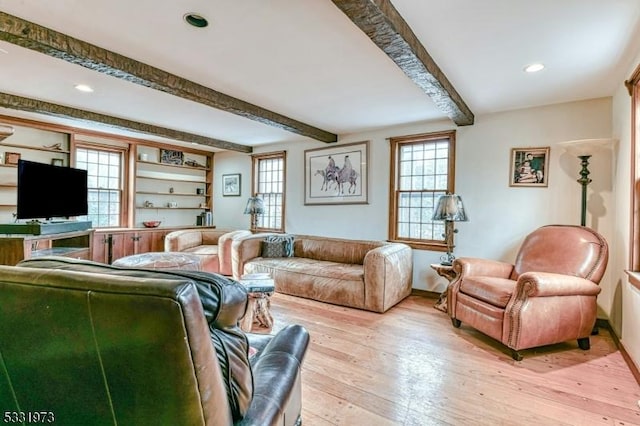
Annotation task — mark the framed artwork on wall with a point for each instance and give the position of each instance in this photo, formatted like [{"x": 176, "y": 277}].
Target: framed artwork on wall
[
  {"x": 529, "y": 167},
  {"x": 337, "y": 175},
  {"x": 231, "y": 185},
  {"x": 170, "y": 156},
  {"x": 11, "y": 157}
]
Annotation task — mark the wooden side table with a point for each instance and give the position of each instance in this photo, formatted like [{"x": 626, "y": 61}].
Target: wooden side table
[
  {"x": 447, "y": 272},
  {"x": 258, "y": 316}
]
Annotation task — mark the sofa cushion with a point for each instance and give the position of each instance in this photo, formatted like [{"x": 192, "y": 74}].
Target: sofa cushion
[
  {"x": 273, "y": 248},
  {"x": 285, "y": 239},
  {"x": 495, "y": 291},
  {"x": 204, "y": 250}
]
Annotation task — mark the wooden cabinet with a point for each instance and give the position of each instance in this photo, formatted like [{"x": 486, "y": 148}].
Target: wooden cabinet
[
  {"x": 17, "y": 247},
  {"x": 112, "y": 244}
]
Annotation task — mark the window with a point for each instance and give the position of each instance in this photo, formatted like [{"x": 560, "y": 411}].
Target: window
[
  {"x": 105, "y": 171},
  {"x": 269, "y": 184},
  {"x": 422, "y": 169}
]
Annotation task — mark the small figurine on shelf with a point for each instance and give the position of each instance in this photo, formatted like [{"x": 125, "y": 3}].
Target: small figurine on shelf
[
  {"x": 55, "y": 146},
  {"x": 193, "y": 163}
]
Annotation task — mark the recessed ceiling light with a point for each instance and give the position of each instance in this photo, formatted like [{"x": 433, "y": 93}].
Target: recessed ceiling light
[
  {"x": 196, "y": 20},
  {"x": 534, "y": 67},
  {"x": 84, "y": 88}
]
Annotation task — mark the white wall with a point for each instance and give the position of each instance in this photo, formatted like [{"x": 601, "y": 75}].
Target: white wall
[
  {"x": 626, "y": 302},
  {"x": 500, "y": 215}
]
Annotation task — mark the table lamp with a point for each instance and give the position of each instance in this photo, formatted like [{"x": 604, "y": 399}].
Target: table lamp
[
  {"x": 450, "y": 209},
  {"x": 255, "y": 206}
]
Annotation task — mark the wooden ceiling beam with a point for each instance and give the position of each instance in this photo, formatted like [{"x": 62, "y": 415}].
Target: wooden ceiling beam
[
  {"x": 52, "y": 43},
  {"x": 54, "y": 110},
  {"x": 382, "y": 23}
]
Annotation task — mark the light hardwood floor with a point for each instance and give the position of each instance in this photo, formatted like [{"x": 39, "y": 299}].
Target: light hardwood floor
[{"x": 410, "y": 366}]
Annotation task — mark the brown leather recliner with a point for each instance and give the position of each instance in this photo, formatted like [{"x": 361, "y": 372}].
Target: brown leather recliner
[
  {"x": 86, "y": 343},
  {"x": 548, "y": 296}
]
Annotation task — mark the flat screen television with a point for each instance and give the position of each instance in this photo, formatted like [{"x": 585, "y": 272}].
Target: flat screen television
[{"x": 47, "y": 192}]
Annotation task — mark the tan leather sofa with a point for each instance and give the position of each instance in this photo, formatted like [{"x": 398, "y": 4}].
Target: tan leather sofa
[
  {"x": 83, "y": 343},
  {"x": 213, "y": 246},
  {"x": 371, "y": 275},
  {"x": 547, "y": 296}
]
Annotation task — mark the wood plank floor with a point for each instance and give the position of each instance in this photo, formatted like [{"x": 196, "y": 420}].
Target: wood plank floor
[{"x": 410, "y": 366}]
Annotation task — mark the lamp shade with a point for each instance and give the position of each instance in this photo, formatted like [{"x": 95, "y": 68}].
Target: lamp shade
[
  {"x": 583, "y": 147},
  {"x": 255, "y": 205},
  {"x": 450, "y": 208}
]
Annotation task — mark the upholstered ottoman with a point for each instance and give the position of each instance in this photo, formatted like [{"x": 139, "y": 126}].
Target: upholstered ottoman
[{"x": 161, "y": 260}]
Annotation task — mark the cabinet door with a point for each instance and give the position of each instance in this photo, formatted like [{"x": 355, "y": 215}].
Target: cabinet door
[
  {"x": 100, "y": 247},
  {"x": 144, "y": 242},
  {"x": 122, "y": 244},
  {"x": 157, "y": 243}
]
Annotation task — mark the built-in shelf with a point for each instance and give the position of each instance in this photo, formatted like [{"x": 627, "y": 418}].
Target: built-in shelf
[
  {"x": 7, "y": 205},
  {"x": 172, "y": 208},
  {"x": 8, "y": 185},
  {"x": 181, "y": 166},
  {"x": 35, "y": 148},
  {"x": 171, "y": 179},
  {"x": 8, "y": 165},
  {"x": 179, "y": 194}
]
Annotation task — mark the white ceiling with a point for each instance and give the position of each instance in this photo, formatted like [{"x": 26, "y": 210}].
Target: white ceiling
[{"x": 306, "y": 60}]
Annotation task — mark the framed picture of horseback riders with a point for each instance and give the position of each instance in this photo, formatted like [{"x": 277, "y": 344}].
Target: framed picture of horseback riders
[{"x": 337, "y": 175}]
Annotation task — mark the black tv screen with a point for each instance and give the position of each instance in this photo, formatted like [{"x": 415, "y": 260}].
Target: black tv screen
[{"x": 46, "y": 191}]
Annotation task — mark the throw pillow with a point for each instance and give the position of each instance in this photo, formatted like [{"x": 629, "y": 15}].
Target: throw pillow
[
  {"x": 287, "y": 239},
  {"x": 273, "y": 249}
]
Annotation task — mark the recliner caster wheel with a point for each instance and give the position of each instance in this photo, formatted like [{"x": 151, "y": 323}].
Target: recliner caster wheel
[{"x": 456, "y": 322}]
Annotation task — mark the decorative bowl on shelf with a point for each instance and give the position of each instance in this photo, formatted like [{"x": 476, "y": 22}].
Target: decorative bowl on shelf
[{"x": 151, "y": 223}]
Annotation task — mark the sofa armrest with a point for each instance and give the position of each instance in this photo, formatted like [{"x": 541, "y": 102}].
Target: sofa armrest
[
  {"x": 225, "y": 250},
  {"x": 244, "y": 249},
  {"x": 182, "y": 240},
  {"x": 388, "y": 274},
  {"x": 277, "y": 397}
]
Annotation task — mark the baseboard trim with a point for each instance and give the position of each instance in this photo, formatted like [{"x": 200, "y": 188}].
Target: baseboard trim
[
  {"x": 424, "y": 293},
  {"x": 603, "y": 323}
]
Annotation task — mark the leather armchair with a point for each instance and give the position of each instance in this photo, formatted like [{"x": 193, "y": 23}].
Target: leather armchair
[
  {"x": 213, "y": 246},
  {"x": 548, "y": 296},
  {"x": 96, "y": 344}
]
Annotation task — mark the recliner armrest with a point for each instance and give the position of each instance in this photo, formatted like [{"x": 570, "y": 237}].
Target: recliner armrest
[
  {"x": 472, "y": 266},
  {"x": 545, "y": 284},
  {"x": 276, "y": 378}
]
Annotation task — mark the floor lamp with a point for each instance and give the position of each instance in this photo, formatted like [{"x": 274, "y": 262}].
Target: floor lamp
[{"x": 584, "y": 149}]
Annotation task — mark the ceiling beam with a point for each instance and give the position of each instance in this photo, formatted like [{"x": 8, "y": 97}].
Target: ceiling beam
[
  {"x": 382, "y": 23},
  {"x": 46, "y": 108},
  {"x": 52, "y": 43}
]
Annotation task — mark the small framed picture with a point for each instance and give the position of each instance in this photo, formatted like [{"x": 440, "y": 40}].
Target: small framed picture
[
  {"x": 170, "y": 156},
  {"x": 11, "y": 157},
  {"x": 57, "y": 162},
  {"x": 529, "y": 167},
  {"x": 231, "y": 185}
]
